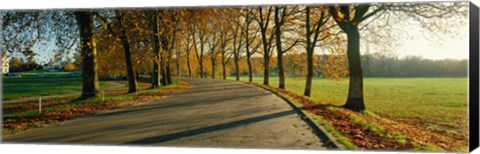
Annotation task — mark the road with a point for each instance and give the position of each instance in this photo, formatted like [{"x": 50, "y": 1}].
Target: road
[{"x": 212, "y": 113}]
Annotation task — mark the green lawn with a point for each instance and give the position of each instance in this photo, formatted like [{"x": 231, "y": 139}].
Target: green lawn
[
  {"x": 434, "y": 103},
  {"x": 34, "y": 73},
  {"x": 33, "y": 86}
]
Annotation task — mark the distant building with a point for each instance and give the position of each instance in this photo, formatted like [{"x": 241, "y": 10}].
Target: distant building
[
  {"x": 5, "y": 63},
  {"x": 54, "y": 65}
]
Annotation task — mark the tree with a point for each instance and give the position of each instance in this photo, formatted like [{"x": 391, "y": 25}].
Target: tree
[
  {"x": 23, "y": 30},
  {"x": 69, "y": 67},
  {"x": 280, "y": 19},
  {"x": 312, "y": 36},
  {"x": 213, "y": 40},
  {"x": 349, "y": 17},
  {"x": 170, "y": 20},
  {"x": 189, "y": 45},
  {"x": 263, "y": 20},
  {"x": 16, "y": 64},
  {"x": 153, "y": 19},
  {"x": 249, "y": 40},
  {"x": 225, "y": 32},
  {"x": 342, "y": 14},
  {"x": 120, "y": 20},
  {"x": 237, "y": 44},
  {"x": 90, "y": 87}
]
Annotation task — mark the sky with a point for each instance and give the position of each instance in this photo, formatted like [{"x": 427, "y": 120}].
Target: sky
[{"x": 412, "y": 40}]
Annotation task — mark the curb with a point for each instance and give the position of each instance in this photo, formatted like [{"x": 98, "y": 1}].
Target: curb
[{"x": 322, "y": 133}]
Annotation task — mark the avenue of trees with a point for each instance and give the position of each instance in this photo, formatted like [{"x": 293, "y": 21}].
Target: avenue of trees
[{"x": 309, "y": 41}]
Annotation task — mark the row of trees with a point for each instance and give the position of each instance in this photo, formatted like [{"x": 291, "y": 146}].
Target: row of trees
[
  {"x": 160, "y": 41},
  {"x": 19, "y": 65},
  {"x": 374, "y": 65},
  {"x": 377, "y": 65}
]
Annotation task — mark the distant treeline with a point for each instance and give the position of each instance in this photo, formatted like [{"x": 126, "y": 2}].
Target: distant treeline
[
  {"x": 19, "y": 65},
  {"x": 412, "y": 66},
  {"x": 374, "y": 65}
]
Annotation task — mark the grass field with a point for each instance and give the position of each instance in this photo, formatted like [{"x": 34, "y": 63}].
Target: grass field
[
  {"x": 33, "y": 86},
  {"x": 433, "y": 103},
  {"x": 23, "y": 116},
  {"x": 44, "y": 72}
]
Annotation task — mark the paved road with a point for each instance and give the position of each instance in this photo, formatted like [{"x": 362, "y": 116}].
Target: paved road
[{"x": 213, "y": 113}]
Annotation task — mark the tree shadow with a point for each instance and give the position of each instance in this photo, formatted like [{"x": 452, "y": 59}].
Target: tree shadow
[{"x": 174, "y": 136}]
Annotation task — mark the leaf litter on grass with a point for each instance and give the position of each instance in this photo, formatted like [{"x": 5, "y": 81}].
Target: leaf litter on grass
[
  {"x": 373, "y": 132},
  {"x": 61, "y": 110}
]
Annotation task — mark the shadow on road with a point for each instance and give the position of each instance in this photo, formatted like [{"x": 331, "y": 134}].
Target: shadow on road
[{"x": 173, "y": 136}]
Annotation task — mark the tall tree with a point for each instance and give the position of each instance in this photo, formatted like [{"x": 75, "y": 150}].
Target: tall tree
[
  {"x": 249, "y": 40},
  {"x": 132, "y": 81},
  {"x": 152, "y": 15},
  {"x": 22, "y": 30},
  {"x": 213, "y": 42},
  {"x": 280, "y": 18},
  {"x": 312, "y": 36},
  {"x": 120, "y": 20},
  {"x": 225, "y": 38},
  {"x": 349, "y": 17},
  {"x": 170, "y": 20},
  {"x": 263, "y": 20},
  {"x": 237, "y": 43},
  {"x": 90, "y": 86},
  {"x": 189, "y": 46},
  {"x": 348, "y": 22},
  {"x": 199, "y": 34}
]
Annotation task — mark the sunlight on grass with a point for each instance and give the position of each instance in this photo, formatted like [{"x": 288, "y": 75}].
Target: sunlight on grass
[
  {"x": 33, "y": 86},
  {"x": 434, "y": 103}
]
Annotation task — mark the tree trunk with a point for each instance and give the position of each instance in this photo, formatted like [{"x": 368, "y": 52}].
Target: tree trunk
[
  {"x": 168, "y": 73},
  {"x": 281, "y": 74},
  {"x": 278, "y": 42},
  {"x": 309, "y": 48},
  {"x": 202, "y": 75},
  {"x": 156, "y": 49},
  {"x": 247, "y": 49},
  {"x": 250, "y": 69},
  {"x": 201, "y": 66},
  {"x": 308, "y": 84},
  {"x": 237, "y": 68},
  {"x": 132, "y": 82},
  {"x": 155, "y": 78},
  {"x": 224, "y": 71},
  {"x": 169, "y": 62},
  {"x": 213, "y": 65},
  {"x": 266, "y": 71},
  {"x": 355, "y": 90},
  {"x": 163, "y": 79},
  {"x": 188, "y": 64},
  {"x": 90, "y": 84},
  {"x": 177, "y": 65}
]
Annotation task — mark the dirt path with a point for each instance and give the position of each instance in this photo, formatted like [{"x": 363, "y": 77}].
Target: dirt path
[
  {"x": 213, "y": 113},
  {"x": 111, "y": 85}
]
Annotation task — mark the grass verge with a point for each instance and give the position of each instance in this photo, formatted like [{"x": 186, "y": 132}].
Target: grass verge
[
  {"x": 369, "y": 131},
  {"x": 36, "y": 86}
]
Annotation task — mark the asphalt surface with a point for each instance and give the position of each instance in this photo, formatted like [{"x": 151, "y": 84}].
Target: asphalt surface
[{"x": 212, "y": 113}]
